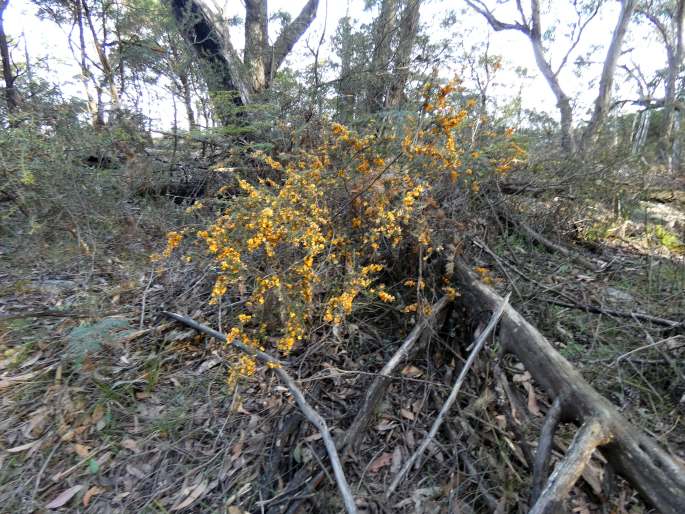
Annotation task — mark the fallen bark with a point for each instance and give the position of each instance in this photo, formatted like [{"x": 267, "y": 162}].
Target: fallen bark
[
  {"x": 657, "y": 475},
  {"x": 544, "y": 452},
  {"x": 589, "y": 437}
]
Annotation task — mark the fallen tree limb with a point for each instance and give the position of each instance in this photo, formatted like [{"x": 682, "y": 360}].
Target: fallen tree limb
[
  {"x": 657, "y": 475},
  {"x": 621, "y": 314},
  {"x": 550, "y": 245},
  {"x": 477, "y": 346},
  {"x": 308, "y": 411},
  {"x": 566, "y": 474},
  {"x": 372, "y": 397},
  {"x": 528, "y": 188}
]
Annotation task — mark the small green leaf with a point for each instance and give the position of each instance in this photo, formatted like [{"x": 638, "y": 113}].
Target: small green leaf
[
  {"x": 93, "y": 466},
  {"x": 297, "y": 454}
]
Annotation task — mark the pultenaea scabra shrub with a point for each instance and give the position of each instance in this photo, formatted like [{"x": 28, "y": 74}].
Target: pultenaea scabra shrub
[{"x": 304, "y": 243}]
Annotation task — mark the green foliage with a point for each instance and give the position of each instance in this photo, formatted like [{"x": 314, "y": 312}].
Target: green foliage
[
  {"x": 90, "y": 339},
  {"x": 668, "y": 239}
]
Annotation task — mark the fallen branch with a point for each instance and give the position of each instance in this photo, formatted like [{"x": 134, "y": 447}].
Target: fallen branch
[
  {"x": 657, "y": 475},
  {"x": 477, "y": 346},
  {"x": 381, "y": 382},
  {"x": 550, "y": 245},
  {"x": 53, "y": 314},
  {"x": 621, "y": 314},
  {"x": 528, "y": 188},
  {"x": 373, "y": 396},
  {"x": 544, "y": 450},
  {"x": 566, "y": 474},
  {"x": 308, "y": 411}
]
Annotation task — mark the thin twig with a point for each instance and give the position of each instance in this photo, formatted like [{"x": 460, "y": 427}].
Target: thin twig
[
  {"x": 645, "y": 347},
  {"x": 308, "y": 411},
  {"x": 144, "y": 300},
  {"x": 479, "y": 343}
]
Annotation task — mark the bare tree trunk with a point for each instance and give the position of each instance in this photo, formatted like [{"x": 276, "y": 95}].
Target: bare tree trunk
[
  {"x": 187, "y": 99},
  {"x": 256, "y": 43},
  {"x": 532, "y": 28},
  {"x": 603, "y": 100},
  {"x": 563, "y": 101},
  {"x": 11, "y": 94},
  {"x": 568, "y": 144},
  {"x": 409, "y": 28},
  {"x": 346, "y": 91},
  {"x": 205, "y": 30},
  {"x": 642, "y": 119},
  {"x": 93, "y": 105},
  {"x": 383, "y": 32},
  {"x": 675, "y": 62},
  {"x": 102, "y": 56}
]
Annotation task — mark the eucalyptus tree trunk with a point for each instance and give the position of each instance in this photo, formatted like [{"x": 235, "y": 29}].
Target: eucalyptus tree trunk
[
  {"x": 670, "y": 31},
  {"x": 105, "y": 63},
  {"x": 205, "y": 30},
  {"x": 531, "y": 27},
  {"x": 384, "y": 30},
  {"x": 94, "y": 103},
  {"x": 347, "y": 95},
  {"x": 568, "y": 144},
  {"x": 408, "y": 30},
  {"x": 603, "y": 100},
  {"x": 11, "y": 94}
]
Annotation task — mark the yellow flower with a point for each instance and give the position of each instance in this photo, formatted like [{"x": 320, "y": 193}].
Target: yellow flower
[
  {"x": 386, "y": 297},
  {"x": 244, "y": 318},
  {"x": 451, "y": 293}
]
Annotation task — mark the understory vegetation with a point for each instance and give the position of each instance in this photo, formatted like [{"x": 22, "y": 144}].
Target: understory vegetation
[{"x": 352, "y": 229}]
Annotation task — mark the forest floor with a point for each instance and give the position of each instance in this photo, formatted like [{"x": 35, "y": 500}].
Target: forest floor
[{"x": 108, "y": 407}]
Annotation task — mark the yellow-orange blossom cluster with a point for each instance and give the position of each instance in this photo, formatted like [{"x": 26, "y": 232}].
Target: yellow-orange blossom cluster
[{"x": 309, "y": 242}]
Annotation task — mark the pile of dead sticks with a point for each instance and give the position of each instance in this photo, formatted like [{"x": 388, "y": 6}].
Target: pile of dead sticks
[{"x": 656, "y": 474}]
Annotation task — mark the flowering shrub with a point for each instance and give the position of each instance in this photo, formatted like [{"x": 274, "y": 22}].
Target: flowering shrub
[{"x": 304, "y": 243}]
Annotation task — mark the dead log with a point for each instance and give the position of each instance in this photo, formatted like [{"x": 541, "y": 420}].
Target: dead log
[
  {"x": 536, "y": 237},
  {"x": 657, "y": 475}
]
